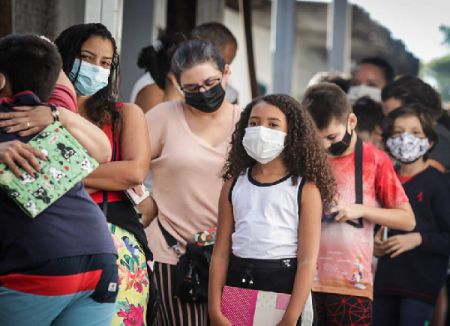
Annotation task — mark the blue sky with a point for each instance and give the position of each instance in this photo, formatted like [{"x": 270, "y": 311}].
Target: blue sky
[{"x": 415, "y": 22}]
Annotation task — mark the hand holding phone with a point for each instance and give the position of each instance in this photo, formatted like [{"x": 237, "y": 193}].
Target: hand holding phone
[{"x": 137, "y": 195}]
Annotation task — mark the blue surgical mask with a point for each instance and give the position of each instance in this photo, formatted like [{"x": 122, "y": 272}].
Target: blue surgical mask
[{"x": 90, "y": 79}]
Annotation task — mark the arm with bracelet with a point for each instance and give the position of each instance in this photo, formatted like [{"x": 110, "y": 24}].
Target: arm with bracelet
[{"x": 31, "y": 120}]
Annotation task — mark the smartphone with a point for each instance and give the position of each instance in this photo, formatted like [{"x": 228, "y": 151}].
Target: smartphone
[
  {"x": 385, "y": 235},
  {"x": 135, "y": 198}
]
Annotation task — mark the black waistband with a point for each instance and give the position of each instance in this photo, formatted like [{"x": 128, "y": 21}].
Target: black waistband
[
  {"x": 68, "y": 265},
  {"x": 264, "y": 263}
]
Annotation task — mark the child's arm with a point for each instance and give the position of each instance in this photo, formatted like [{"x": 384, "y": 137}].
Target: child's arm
[
  {"x": 435, "y": 242},
  {"x": 221, "y": 256},
  {"x": 398, "y": 213},
  {"x": 400, "y": 217},
  {"x": 308, "y": 250}
]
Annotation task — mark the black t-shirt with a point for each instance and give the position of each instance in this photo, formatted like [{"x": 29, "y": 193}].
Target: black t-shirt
[{"x": 420, "y": 273}]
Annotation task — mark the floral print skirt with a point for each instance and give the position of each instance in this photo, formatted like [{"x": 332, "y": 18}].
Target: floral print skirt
[{"x": 131, "y": 304}]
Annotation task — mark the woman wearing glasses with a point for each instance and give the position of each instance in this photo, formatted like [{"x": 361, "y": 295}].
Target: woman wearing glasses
[{"x": 189, "y": 141}]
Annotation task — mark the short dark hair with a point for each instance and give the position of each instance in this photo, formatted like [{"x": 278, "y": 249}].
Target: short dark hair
[
  {"x": 411, "y": 89},
  {"x": 157, "y": 58},
  {"x": 193, "y": 53},
  {"x": 325, "y": 102},
  {"x": 214, "y": 33},
  {"x": 31, "y": 63},
  {"x": 333, "y": 77},
  {"x": 415, "y": 110},
  {"x": 383, "y": 64},
  {"x": 369, "y": 114}
]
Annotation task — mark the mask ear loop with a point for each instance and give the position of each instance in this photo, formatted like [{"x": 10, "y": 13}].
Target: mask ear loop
[
  {"x": 78, "y": 71},
  {"x": 3, "y": 83}
]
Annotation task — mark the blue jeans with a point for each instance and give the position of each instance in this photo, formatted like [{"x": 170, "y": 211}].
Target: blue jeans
[{"x": 400, "y": 311}]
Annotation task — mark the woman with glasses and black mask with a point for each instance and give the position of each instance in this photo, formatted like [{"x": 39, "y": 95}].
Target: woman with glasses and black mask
[{"x": 189, "y": 141}]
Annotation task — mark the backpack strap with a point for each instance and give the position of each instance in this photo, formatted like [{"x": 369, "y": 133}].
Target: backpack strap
[{"x": 358, "y": 223}]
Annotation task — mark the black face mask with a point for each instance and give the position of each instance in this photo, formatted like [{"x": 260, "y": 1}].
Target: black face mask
[
  {"x": 208, "y": 101},
  {"x": 341, "y": 146}
]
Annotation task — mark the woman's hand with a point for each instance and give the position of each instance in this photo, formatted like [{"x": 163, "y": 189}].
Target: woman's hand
[
  {"x": 149, "y": 210},
  {"x": 26, "y": 120},
  {"x": 138, "y": 191},
  {"x": 399, "y": 244},
  {"x": 16, "y": 153}
]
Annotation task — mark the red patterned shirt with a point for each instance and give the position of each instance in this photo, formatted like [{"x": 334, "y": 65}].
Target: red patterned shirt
[{"x": 345, "y": 256}]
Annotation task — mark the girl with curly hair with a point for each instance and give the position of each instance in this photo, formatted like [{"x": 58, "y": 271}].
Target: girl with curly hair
[{"x": 276, "y": 179}]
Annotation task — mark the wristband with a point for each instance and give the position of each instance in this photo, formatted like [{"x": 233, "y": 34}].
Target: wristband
[{"x": 55, "y": 113}]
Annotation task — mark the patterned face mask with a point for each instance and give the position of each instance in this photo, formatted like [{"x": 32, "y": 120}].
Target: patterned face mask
[{"x": 408, "y": 148}]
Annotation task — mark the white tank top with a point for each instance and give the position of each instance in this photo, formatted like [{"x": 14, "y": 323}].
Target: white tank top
[
  {"x": 266, "y": 217},
  {"x": 144, "y": 81}
]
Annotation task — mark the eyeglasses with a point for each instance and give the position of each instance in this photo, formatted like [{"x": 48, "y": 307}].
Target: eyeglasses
[{"x": 207, "y": 84}]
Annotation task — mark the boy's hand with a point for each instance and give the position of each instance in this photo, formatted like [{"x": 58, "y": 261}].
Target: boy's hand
[
  {"x": 347, "y": 212},
  {"x": 27, "y": 120},
  {"x": 399, "y": 244},
  {"x": 379, "y": 246}
]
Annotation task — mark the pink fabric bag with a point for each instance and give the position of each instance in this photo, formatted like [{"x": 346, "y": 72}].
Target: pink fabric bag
[{"x": 245, "y": 307}]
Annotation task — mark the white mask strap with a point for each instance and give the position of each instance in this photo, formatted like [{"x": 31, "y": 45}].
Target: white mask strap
[{"x": 3, "y": 83}]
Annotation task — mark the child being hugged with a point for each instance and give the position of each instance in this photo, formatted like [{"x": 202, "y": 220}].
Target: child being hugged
[
  {"x": 276, "y": 178},
  {"x": 413, "y": 265}
]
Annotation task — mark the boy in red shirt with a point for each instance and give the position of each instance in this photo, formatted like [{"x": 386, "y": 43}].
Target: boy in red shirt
[{"x": 344, "y": 279}]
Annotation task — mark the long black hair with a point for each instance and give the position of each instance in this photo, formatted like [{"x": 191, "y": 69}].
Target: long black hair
[
  {"x": 100, "y": 108},
  {"x": 157, "y": 58}
]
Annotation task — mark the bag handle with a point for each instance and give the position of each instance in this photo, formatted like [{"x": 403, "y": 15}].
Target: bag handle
[
  {"x": 358, "y": 223},
  {"x": 171, "y": 241}
]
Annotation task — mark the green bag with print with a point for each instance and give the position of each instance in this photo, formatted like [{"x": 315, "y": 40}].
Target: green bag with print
[{"x": 68, "y": 163}]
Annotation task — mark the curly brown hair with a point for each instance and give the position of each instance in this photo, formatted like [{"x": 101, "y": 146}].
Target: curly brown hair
[{"x": 304, "y": 154}]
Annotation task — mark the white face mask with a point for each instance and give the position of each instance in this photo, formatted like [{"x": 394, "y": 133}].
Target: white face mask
[
  {"x": 408, "y": 148},
  {"x": 263, "y": 144},
  {"x": 356, "y": 92}
]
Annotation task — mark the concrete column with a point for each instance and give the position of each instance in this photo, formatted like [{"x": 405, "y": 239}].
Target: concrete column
[
  {"x": 159, "y": 16},
  {"x": 107, "y": 12},
  {"x": 139, "y": 18},
  {"x": 210, "y": 11},
  {"x": 339, "y": 36},
  {"x": 282, "y": 44}
]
